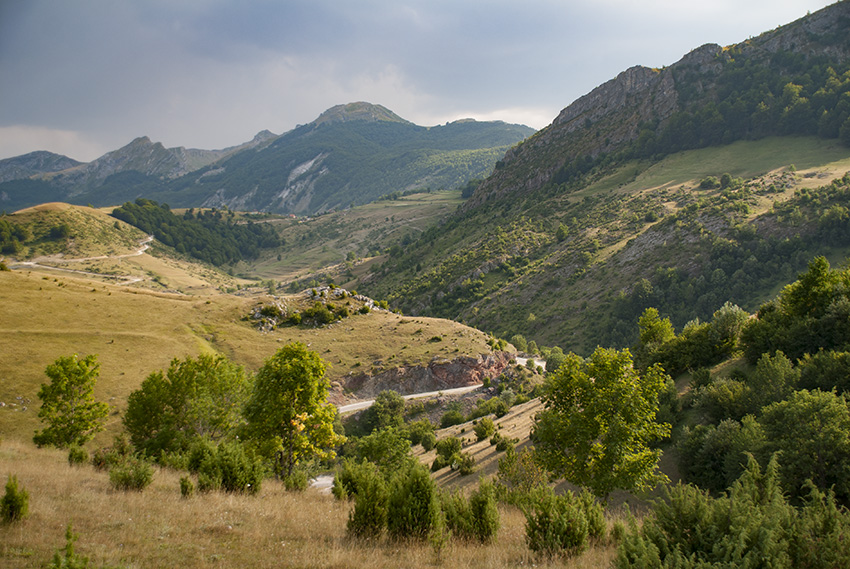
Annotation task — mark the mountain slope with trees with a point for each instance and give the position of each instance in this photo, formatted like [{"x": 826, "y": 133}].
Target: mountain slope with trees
[
  {"x": 690, "y": 183},
  {"x": 352, "y": 154}
]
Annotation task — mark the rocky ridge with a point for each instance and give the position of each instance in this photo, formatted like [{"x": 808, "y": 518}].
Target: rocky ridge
[{"x": 610, "y": 116}]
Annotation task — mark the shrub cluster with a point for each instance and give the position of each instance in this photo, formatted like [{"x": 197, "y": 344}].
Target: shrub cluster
[
  {"x": 753, "y": 524},
  {"x": 564, "y": 524},
  {"x": 473, "y": 518},
  {"x": 15, "y": 503},
  {"x": 226, "y": 467},
  {"x": 131, "y": 473}
]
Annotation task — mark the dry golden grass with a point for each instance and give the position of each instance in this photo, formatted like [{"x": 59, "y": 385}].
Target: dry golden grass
[
  {"x": 158, "y": 528},
  {"x": 136, "y": 331}
]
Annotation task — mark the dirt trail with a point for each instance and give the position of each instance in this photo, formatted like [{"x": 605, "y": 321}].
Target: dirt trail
[{"x": 144, "y": 245}]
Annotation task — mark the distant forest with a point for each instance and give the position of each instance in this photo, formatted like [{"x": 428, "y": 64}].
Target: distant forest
[{"x": 213, "y": 236}]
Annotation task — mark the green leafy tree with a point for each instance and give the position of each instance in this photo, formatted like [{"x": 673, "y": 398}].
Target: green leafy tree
[
  {"x": 68, "y": 406},
  {"x": 194, "y": 398},
  {"x": 811, "y": 429},
  {"x": 599, "y": 420},
  {"x": 288, "y": 413},
  {"x": 388, "y": 448},
  {"x": 386, "y": 411},
  {"x": 654, "y": 333}
]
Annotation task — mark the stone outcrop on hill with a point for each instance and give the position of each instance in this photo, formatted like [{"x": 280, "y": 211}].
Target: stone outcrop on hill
[{"x": 438, "y": 375}]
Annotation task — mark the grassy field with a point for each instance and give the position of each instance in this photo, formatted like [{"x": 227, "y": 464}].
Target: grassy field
[
  {"x": 157, "y": 528},
  {"x": 136, "y": 331}
]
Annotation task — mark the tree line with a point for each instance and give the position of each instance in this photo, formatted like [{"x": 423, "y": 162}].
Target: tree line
[{"x": 213, "y": 236}]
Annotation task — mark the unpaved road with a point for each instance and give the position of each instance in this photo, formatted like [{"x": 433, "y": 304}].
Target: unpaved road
[{"x": 144, "y": 245}]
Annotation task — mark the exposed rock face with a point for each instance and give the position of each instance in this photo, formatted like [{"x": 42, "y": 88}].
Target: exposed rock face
[
  {"x": 609, "y": 117},
  {"x": 439, "y": 374}
]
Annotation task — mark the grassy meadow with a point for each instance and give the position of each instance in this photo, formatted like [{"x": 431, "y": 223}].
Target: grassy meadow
[
  {"x": 136, "y": 331},
  {"x": 158, "y": 528}
]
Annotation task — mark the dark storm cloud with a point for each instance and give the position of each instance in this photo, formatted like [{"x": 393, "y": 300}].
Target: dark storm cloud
[{"x": 91, "y": 75}]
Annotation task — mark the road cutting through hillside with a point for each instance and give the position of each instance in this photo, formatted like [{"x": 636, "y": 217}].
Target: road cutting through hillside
[{"x": 368, "y": 403}]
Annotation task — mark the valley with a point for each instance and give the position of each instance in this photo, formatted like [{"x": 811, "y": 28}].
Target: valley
[{"x": 581, "y": 346}]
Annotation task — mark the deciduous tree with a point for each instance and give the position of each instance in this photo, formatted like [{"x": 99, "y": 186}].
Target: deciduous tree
[
  {"x": 288, "y": 413},
  {"x": 201, "y": 397},
  {"x": 68, "y": 406},
  {"x": 598, "y": 421}
]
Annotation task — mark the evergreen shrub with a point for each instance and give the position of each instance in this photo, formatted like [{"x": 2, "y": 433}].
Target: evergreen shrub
[
  {"x": 77, "y": 455},
  {"x": 368, "y": 518},
  {"x": 412, "y": 508},
  {"x": 15, "y": 503},
  {"x": 131, "y": 474},
  {"x": 187, "y": 487},
  {"x": 556, "y": 525}
]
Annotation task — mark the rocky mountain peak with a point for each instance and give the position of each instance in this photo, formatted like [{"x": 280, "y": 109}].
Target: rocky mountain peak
[{"x": 360, "y": 111}]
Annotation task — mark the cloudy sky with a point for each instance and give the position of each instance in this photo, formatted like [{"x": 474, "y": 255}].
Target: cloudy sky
[{"x": 82, "y": 77}]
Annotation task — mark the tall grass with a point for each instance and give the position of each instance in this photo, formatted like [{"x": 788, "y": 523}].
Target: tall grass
[{"x": 156, "y": 528}]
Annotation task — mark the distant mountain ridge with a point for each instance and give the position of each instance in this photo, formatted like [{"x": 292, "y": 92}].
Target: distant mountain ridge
[
  {"x": 351, "y": 154},
  {"x": 34, "y": 163}
]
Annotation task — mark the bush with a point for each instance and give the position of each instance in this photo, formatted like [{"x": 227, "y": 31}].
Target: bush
[
  {"x": 69, "y": 560},
  {"x": 412, "y": 508},
  {"x": 229, "y": 468},
  {"x": 594, "y": 513},
  {"x": 296, "y": 481},
  {"x": 187, "y": 488},
  {"x": 429, "y": 441},
  {"x": 556, "y": 525},
  {"x": 368, "y": 518},
  {"x": 15, "y": 503},
  {"x": 439, "y": 463},
  {"x": 240, "y": 472},
  {"x": 419, "y": 429},
  {"x": 458, "y": 516},
  {"x": 484, "y": 512},
  {"x": 200, "y": 451},
  {"x": 106, "y": 457},
  {"x": 448, "y": 447},
  {"x": 752, "y": 523},
  {"x": 464, "y": 463},
  {"x": 485, "y": 428},
  {"x": 351, "y": 476},
  {"x": 451, "y": 418},
  {"x": 131, "y": 474},
  {"x": 77, "y": 455}
]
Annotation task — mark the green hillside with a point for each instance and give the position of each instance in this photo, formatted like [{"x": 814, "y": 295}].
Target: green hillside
[
  {"x": 351, "y": 155},
  {"x": 575, "y": 267}
]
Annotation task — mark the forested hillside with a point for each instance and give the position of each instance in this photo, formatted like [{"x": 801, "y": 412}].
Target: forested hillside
[
  {"x": 682, "y": 187},
  {"x": 212, "y": 236}
]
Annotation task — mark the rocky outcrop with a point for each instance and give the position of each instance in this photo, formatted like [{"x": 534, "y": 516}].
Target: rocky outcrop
[
  {"x": 437, "y": 375},
  {"x": 608, "y": 118}
]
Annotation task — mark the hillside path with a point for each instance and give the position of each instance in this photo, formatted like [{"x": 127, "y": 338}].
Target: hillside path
[{"x": 144, "y": 245}]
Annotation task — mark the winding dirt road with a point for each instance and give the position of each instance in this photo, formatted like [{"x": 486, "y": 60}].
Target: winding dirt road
[{"x": 144, "y": 245}]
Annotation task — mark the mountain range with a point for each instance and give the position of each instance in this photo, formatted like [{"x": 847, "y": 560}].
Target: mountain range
[{"x": 351, "y": 154}]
